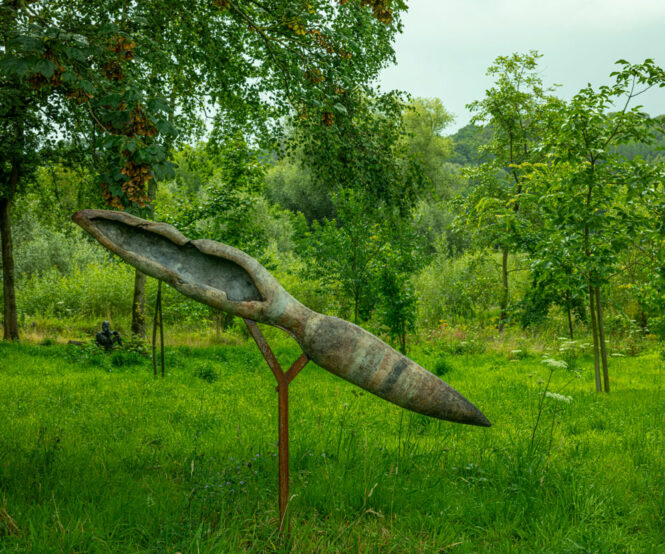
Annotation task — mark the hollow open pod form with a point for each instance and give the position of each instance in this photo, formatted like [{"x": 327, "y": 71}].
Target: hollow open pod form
[{"x": 228, "y": 279}]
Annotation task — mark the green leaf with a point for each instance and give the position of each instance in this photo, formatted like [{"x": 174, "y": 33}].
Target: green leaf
[
  {"x": 69, "y": 77},
  {"x": 14, "y": 65},
  {"x": 116, "y": 190},
  {"x": 45, "y": 67},
  {"x": 28, "y": 44},
  {"x": 164, "y": 171},
  {"x": 75, "y": 53}
]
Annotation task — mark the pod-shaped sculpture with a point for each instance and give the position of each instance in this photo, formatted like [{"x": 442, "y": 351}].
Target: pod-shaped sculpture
[{"x": 228, "y": 279}]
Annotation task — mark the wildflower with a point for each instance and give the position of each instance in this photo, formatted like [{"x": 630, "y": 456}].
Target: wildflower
[
  {"x": 559, "y": 397},
  {"x": 555, "y": 364}
]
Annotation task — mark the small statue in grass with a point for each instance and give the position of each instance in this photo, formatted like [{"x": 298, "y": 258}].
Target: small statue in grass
[{"x": 107, "y": 338}]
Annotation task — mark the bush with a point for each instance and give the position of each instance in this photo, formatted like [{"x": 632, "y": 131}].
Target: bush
[
  {"x": 206, "y": 373},
  {"x": 442, "y": 366},
  {"x": 49, "y": 249},
  {"x": 460, "y": 288},
  {"x": 136, "y": 345},
  {"x": 88, "y": 355},
  {"x": 101, "y": 289},
  {"x": 122, "y": 358}
]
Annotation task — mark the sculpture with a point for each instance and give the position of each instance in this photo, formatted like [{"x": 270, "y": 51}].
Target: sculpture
[
  {"x": 228, "y": 279},
  {"x": 107, "y": 338}
]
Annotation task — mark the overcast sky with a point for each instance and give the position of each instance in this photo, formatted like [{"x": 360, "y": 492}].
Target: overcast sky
[{"x": 447, "y": 45}]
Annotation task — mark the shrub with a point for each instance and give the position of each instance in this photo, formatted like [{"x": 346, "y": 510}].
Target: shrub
[
  {"x": 100, "y": 289},
  {"x": 136, "y": 345},
  {"x": 122, "y": 358},
  {"x": 442, "y": 366},
  {"x": 206, "y": 373},
  {"x": 53, "y": 249},
  {"x": 88, "y": 355},
  {"x": 457, "y": 288}
]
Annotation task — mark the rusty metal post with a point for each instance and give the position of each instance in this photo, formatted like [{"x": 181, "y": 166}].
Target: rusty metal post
[
  {"x": 283, "y": 380},
  {"x": 283, "y": 445}
]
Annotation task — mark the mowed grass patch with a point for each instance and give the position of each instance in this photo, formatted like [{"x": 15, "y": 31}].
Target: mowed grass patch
[{"x": 97, "y": 456}]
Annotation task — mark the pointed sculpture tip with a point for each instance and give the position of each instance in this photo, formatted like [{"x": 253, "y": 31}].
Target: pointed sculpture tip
[
  {"x": 474, "y": 416},
  {"x": 452, "y": 406},
  {"x": 482, "y": 421}
]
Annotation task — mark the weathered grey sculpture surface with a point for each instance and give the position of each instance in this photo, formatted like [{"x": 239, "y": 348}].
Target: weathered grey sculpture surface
[{"x": 228, "y": 279}]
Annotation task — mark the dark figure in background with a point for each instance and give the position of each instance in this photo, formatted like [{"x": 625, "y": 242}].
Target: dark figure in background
[{"x": 107, "y": 338}]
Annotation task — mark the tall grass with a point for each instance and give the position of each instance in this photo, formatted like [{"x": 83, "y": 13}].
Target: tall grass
[{"x": 98, "y": 457}]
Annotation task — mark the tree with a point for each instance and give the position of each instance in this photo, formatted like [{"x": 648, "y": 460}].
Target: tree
[
  {"x": 100, "y": 76},
  {"x": 581, "y": 193},
  {"x": 398, "y": 305},
  {"x": 365, "y": 150},
  {"x": 377, "y": 143},
  {"x": 425, "y": 119},
  {"x": 221, "y": 208},
  {"x": 519, "y": 110},
  {"x": 365, "y": 164},
  {"x": 401, "y": 259},
  {"x": 469, "y": 144},
  {"x": 644, "y": 219},
  {"x": 347, "y": 250}
]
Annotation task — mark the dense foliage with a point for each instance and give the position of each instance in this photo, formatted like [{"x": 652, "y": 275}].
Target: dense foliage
[{"x": 263, "y": 130}]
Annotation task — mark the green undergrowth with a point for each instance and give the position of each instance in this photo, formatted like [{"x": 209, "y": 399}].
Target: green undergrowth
[{"x": 98, "y": 456}]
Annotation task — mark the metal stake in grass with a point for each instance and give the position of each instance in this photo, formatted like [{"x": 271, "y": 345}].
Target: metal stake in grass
[
  {"x": 158, "y": 317},
  {"x": 284, "y": 378}
]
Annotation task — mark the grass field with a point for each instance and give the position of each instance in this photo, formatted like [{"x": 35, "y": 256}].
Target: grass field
[{"x": 97, "y": 456}]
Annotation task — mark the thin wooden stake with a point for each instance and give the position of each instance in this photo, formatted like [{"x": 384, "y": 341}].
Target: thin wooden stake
[
  {"x": 161, "y": 326},
  {"x": 158, "y": 316}
]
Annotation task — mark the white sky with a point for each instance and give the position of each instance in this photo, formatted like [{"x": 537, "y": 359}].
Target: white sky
[{"x": 447, "y": 45}]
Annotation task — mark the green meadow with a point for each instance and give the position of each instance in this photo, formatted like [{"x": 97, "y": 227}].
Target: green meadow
[{"x": 98, "y": 456}]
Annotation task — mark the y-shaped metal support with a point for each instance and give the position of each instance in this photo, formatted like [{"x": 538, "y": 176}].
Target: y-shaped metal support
[{"x": 284, "y": 378}]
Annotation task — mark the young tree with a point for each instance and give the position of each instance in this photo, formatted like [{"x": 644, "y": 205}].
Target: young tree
[
  {"x": 581, "y": 194},
  {"x": 519, "y": 110},
  {"x": 644, "y": 221},
  {"x": 425, "y": 119},
  {"x": 401, "y": 259},
  {"x": 347, "y": 251},
  {"x": 398, "y": 305}
]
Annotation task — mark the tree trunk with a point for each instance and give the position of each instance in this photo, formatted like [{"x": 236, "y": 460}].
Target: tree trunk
[
  {"x": 594, "y": 332},
  {"x": 138, "y": 305},
  {"x": 601, "y": 339},
  {"x": 643, "y": 319},
  {"x": 504, "y": 297},
  {"x": 10, "y": 319},
  {"x": 570, "y": 318},
  {"x": 356, "y": 301}
]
